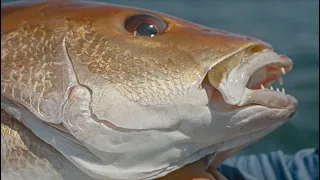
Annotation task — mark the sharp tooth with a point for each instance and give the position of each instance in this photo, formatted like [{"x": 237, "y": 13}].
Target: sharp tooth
[
  {"x": 278, "y": 89},
  {"x": 261, "y": 85},
  {"x": 283, "y": 91},
  {"x": 283, "y": 71},
  {"x": 271, "y": 88},
  {"x": 280, "y": 81}
]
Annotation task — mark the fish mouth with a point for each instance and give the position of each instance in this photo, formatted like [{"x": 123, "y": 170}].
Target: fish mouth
[
  {"x": 249, "y": 83},
  {"x": 246, "y": 92}
]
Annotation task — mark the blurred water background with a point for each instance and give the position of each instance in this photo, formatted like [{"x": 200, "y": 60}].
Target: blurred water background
[{"x": 292, "y": 27}]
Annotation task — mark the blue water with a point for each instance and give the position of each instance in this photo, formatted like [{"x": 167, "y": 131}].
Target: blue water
[{"x": 292, "y": 27}]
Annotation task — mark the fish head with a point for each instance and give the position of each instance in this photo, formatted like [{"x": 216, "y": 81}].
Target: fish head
[
  {"x": 151, "y": 93},
  {"x": 147, "y": 70},
  {"x": 190, "y": 88}
]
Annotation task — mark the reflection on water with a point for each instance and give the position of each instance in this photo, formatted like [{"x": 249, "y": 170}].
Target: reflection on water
[{"x": 292, "y": 27}]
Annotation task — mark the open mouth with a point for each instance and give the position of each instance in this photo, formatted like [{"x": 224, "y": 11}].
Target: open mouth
[
  {"x": 249, "y": 82},
  {"x": 245, "y": 86}
]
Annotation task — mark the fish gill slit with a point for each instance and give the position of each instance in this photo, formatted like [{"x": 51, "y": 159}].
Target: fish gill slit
[{"x": 74, "y": 78}]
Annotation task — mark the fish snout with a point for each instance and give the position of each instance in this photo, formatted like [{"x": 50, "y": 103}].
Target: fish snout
[{"x": 246, "y": 78}]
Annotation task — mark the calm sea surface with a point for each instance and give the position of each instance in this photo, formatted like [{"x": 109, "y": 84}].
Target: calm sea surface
[{"x": 292, "y": 27}]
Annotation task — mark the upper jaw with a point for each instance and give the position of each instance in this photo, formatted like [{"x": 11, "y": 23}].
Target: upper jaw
[{"x": 241, "y": 85}]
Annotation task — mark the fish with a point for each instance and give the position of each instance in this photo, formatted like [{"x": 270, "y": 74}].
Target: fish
[{"x": 92, "y": 90}]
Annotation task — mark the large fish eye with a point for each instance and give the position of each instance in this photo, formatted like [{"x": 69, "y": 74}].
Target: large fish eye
[{"x": 145, "y": 24}]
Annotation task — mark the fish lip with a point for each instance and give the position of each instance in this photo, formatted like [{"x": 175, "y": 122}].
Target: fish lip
[
  {"x": 233, "y": 86},
  {"x": 270, "y": 99}
]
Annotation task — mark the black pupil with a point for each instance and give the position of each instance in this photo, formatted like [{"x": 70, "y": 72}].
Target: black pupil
[{"x": 146, "y": 29}]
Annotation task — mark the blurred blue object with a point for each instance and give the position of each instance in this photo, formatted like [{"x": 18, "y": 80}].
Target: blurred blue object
[{"x": 304, "y": 165}]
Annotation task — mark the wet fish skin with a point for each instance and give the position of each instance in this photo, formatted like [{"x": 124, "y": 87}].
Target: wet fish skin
[{"x": 50, "y": 50}]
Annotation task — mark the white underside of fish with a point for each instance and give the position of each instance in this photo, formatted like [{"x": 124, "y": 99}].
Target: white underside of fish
[{"x": 92, "y": 165}]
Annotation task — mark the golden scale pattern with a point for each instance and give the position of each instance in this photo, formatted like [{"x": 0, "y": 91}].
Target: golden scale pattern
[
  {"x": 30, "y": 64},
  {"x": 151, "y": 77},
  {"x": 34, "y": 66}
]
